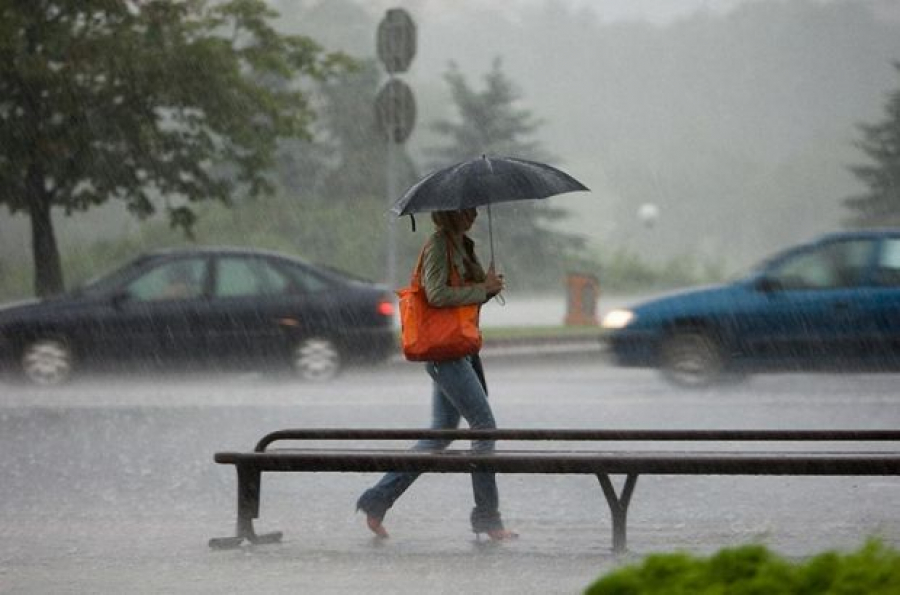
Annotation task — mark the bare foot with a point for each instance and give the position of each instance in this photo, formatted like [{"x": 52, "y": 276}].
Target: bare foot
[
  {"x": 375, "y": 526},
  {"x": 502, "y": 535}
]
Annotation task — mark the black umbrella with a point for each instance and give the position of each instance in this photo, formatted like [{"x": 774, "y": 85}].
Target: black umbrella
[{"x": 483, "y": 182}]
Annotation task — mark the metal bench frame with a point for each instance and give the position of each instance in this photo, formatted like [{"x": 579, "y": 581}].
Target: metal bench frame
[{"x": 630, "y": 463}]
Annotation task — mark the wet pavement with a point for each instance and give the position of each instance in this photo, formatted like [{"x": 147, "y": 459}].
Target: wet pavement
[{"x": 108, "y": 485}]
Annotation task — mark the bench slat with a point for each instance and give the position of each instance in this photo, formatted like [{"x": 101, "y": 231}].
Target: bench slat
[
  {"x": 577, "y": 435},
  {"x": 649, "y": 462}
]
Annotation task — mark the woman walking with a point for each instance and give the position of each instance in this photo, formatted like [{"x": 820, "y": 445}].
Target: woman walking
[{"x": 459, "y": 387}]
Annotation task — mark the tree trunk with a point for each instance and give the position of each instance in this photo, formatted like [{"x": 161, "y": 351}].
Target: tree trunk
[{"x": 48, "y": 279}]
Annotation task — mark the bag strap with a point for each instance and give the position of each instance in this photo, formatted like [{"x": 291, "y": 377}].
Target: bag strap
[
  {"x": 458, "y": 281},
  {"x": 415, "y": 281},
  {"x": 453, "y": 277}
]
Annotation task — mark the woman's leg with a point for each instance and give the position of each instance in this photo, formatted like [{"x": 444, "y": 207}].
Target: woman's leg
[
  {"x": 376, "y": 501},
  {"x": 461, "y": 386}
]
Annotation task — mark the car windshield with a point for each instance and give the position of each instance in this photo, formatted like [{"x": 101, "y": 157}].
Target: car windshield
[
  {"x": 759, "y": 267},
  {"x": 306, "y": 278},
  {"x": 752, "y": 270},
  {"x": 104, "y": 283},
  {"x": 340, "y": 275}
]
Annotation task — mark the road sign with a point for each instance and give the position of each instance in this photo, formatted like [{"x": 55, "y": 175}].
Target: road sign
[
  {"x": 395, "y": 110},
  {"x": 396, "y": 41}
]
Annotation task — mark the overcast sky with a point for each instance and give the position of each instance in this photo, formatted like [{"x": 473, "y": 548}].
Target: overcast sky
[{"x": 659, "y": 11}]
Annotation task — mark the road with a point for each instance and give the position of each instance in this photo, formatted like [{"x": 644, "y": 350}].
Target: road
[{"x": 108, "y": 485}]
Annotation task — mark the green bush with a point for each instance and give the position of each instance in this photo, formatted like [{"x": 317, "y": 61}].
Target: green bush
[
  {"x": 754, "y": 570},
  {"x": 623, "y": 272}
]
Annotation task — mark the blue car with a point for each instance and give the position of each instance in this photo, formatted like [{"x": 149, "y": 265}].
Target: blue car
[{"x": 831, "y": 304}]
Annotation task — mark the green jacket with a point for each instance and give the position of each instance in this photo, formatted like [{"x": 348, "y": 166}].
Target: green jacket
[{"x": 436, "y": 273}]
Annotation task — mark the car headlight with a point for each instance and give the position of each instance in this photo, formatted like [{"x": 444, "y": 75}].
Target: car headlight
[{"x": 617, "y": 319}]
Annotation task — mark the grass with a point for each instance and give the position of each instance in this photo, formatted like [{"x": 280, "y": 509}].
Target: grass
[
  {"x": 536, "y": 333},
  {"x": 513, "y": 333}
]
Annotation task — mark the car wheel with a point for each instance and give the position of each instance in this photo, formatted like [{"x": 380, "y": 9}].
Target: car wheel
[
  {"x": 691, "y": 359},
  {"x": 47, "y": 362},
  {"x": 317, "y": 359}
]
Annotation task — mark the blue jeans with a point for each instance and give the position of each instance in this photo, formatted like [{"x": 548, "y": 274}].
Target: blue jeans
[{"x": 459, "y": 391}]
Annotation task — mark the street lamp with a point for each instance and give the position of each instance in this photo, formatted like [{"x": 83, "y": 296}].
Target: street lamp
[{"x": 648, "y": 213}]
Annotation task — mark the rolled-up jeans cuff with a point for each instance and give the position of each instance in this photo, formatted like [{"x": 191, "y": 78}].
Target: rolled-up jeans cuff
[
  {"x": 485, "y": 520},
  {"x": 372, "y": 506}
]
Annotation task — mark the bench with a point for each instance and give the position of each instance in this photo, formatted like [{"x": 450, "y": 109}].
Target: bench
[{"x": 630, "y": 462}]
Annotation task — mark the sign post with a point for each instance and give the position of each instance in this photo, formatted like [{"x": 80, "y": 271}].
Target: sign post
[{"x": 395, "y": 108}]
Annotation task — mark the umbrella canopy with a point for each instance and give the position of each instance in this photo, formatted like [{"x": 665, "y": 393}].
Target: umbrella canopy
[{"x": 482, "y": 182}]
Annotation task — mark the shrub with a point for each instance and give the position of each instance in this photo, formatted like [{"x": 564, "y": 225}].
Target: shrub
[{"x": 754, "y": 570}]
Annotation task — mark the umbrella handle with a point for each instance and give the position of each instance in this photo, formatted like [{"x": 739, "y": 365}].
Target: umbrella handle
[
  {"x": 491, "y": 232},
  {"x": 499, "y": 297}
]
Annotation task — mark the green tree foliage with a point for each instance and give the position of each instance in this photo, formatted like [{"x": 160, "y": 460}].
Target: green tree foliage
[
  {"x": 491, "y": 122},
  {"x": 159, "y": 104},
  {"x": 873, "y": 569},
  {"x": 881, "y": 144}
]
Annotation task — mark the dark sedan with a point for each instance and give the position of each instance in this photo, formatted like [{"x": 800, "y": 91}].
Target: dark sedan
[{"x": 222, "y": 308}]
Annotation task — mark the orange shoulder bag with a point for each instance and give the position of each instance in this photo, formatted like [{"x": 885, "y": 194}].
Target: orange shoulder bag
[{"x": 436, "y": 334}]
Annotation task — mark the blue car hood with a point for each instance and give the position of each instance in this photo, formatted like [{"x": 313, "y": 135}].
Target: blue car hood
[{"x": 706, "y": 300}]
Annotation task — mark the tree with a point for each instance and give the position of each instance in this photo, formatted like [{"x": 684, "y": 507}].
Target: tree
[
  {"x": 157, "y": 103},
  {"x": 490, "y": 122},
  {"x": 881, "y": 143}
]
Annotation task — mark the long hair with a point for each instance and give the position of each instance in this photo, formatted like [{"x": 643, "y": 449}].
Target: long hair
[{"x": 452, "y": 221}]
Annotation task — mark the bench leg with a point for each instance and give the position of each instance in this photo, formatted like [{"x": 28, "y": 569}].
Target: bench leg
[
  {"x": 249, "y": 482},
  {"x": 618, "y": 507}
]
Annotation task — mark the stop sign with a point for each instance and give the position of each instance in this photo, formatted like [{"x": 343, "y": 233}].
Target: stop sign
[{"x": 396, "y": 42}]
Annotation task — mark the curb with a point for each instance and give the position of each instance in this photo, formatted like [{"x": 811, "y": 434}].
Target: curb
[{"x": 526, "y": 349}]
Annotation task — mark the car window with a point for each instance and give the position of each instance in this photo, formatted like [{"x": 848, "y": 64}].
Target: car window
[
  {"x": 306, "y": 280},
  {"x": 888, "y": 271},
  {"x": 104, "y": 283},
  {"x": 835, "y": 264},
  {"x": 177, "y": 279},
  {"x": 239, "y": 276}
]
